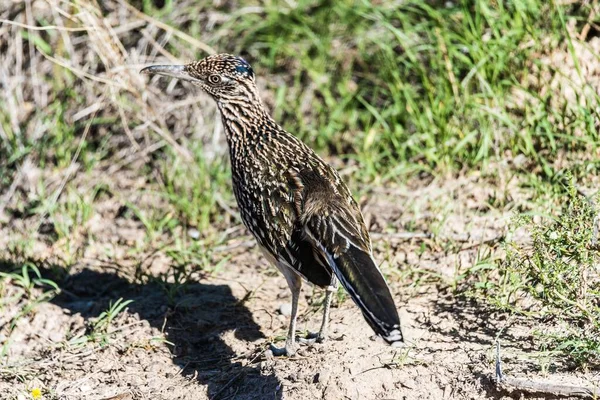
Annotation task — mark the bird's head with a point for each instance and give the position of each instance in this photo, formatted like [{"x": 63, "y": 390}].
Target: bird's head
[{"x": 223, "y": 76}]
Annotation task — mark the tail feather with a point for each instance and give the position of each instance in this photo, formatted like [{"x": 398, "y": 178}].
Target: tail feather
[
  {"x": 361, "y": 278},
  {"x": 347, "y": 251}
]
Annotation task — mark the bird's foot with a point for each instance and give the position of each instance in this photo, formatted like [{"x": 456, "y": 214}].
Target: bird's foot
[
  {"x": 288, "y": 350},
  {"x": 291, "y": 348},
  {"x": 312, "y": 338}
]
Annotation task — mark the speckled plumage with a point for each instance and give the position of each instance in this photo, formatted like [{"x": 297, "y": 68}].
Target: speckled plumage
[{"x": 296, "y": 205}]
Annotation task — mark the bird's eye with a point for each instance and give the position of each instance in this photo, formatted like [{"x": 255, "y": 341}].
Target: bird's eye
[{"x": 214, "y": 79}]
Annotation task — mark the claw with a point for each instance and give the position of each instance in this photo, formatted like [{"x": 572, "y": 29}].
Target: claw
[
  {"x": 290, "y": 349},
  {"x": 312, "y": 338}
]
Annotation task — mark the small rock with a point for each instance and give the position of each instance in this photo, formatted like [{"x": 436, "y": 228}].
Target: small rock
[
  {"x": 85, "y": 388},
  {"x": 105, "y": 369},
  {"x": 194, "y": 233},
  {"x": 322, "y": 377},
  {"x": 285, "y": 309},
  {"x": 519, "y": 161}
]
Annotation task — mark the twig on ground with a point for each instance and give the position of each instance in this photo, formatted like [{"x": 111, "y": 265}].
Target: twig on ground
[
  {"x": 223, "y": 204},
  {"x": 122, "y": 396},
  {"x": 594, "y": 241},
  {"x": 590, "y": 19},
  {"x": 44, "y": 28},
  {"x": 402, "y": 235},
  {"x": 238, "y": 244},
  {"x": 545, "y": 388},
  {"x": 461, "y": 237}
]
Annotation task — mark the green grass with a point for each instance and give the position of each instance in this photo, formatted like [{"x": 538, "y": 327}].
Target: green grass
[
  {"x": 100, "y": 326},
  {"x": 24, "y": 289},
  {"x": 193, "y": 189},
  {"x": 554, "y": 280},
  {"x": 416, "y": 86}
]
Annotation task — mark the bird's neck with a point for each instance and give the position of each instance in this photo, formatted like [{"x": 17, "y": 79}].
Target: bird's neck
[{"x": 245, "y": 122}]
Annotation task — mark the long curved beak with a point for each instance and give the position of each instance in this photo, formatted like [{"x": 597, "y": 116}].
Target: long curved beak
[{"x": 174, "y": 71}]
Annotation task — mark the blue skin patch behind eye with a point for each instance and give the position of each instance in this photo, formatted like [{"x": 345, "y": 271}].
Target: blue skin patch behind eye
[{"x": 245, "y": 68}]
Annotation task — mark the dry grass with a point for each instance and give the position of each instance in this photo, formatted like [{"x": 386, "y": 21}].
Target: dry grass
[
  {"x": 100, "y": 51},
  {"x": 77, "y": 113}
]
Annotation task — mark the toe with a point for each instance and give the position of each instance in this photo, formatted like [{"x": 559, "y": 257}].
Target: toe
[
  {"x": 277, "y": 351},
  {"x": 307, "y": 340},
  {"x": 289, "y": 350},
  {"x": 312, "y": 338}
]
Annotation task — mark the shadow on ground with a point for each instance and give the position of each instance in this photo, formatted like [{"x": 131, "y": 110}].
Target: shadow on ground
[
  {"x": 479, "y": 323},
  {"x": 194, "y": 323}
]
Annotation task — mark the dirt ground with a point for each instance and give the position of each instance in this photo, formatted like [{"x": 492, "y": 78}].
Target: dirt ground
[{"x": 207, "y": 339}]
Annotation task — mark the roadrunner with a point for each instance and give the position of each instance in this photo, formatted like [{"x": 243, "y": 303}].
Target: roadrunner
[{"x": 296, "y": 205}]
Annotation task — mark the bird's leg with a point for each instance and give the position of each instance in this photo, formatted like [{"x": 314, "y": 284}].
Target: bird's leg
[
  {"x": 331, "y": 289},
  {"x": 295, "y": 284},
  {"x": 322, "y": 335}
]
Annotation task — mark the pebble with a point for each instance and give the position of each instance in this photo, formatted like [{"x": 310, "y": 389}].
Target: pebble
[
  {"x": 194, "y": 233},
  {"x": 285, "y": 309},
  {"x": 85, "y": 388}
]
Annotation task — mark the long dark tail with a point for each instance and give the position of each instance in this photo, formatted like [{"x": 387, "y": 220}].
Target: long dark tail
[
  {"x": 344, "y": 240},
  {"x": 357, "y": 272}
]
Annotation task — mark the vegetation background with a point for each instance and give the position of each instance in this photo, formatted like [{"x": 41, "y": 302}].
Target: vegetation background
[{"x": 482, "y": 116}]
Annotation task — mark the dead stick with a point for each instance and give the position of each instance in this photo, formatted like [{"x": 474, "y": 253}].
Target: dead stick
[
  {"x": 464, "y": 238},
  {"x": 530, "y": 386}
]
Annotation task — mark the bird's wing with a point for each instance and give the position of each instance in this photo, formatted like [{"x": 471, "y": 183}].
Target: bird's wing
[
  {"x": 317, "y": 191},
  {"x": 333, "y": 224},
  {"x": 286, "y": 240}
]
